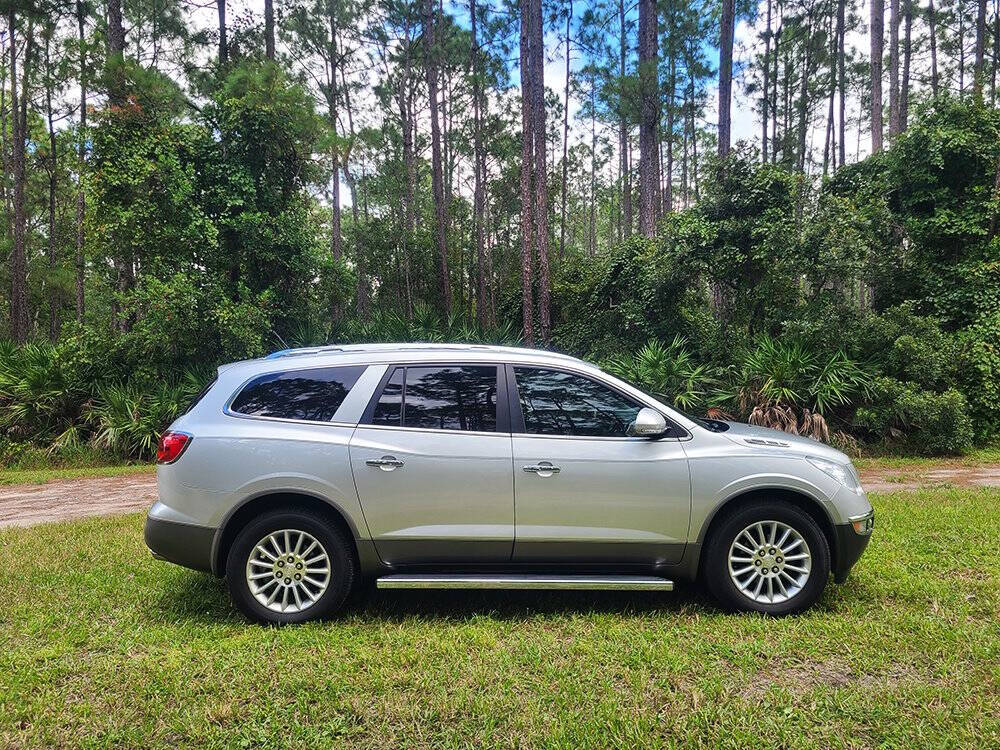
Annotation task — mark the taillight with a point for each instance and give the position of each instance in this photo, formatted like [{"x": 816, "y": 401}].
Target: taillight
[{"x": 172, "y": 445}]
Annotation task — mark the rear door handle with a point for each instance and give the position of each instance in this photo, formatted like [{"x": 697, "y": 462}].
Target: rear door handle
[
  {"x": 542, "y": 469},
  {"x": 386, "y": 463}
]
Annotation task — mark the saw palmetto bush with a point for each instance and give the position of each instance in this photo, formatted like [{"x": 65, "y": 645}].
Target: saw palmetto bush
[
  {"x": 785, "y": 386},
  {"x": 669, "y": 372},
  {"x": 44, "y": 391},
  {"x": 425, "y": 324}
]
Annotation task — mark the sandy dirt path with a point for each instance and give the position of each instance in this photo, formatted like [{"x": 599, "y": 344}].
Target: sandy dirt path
[{"x": 61, "y": 500}]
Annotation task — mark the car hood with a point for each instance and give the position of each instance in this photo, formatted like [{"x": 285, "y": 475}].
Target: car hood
[{"x": 776, "y": 440}]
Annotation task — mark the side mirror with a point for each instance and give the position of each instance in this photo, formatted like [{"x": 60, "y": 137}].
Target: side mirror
[{"x": 648, "y": 423}]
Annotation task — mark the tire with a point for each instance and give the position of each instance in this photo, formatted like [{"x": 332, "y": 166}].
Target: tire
[
  {"x": 314, "y": 595},
  {"x": 783, "y": 589}
]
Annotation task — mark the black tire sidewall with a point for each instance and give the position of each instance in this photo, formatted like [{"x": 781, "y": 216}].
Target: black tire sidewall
[
  {"x": 342, "y": 563},
  {"x": 716, "y": 570}
]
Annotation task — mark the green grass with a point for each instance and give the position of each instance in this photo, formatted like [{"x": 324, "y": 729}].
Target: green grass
[
  {"x": 102, "y": 646},
  {"x": 989, "y": 454},
  {"x": 40, "y": 476}
]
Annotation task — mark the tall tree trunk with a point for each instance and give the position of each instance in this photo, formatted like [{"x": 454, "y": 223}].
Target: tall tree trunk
[
  {"x": 592, "y": 234},
  {"x": 527, "y": 151},
  {"x": 362, "y": 295},
  {"x": 774, "y": 98},
  {"x": 977, "y": 84},
  {"x": 829, "y": 148},
  {"x": 332, "y": 101},
  {"x": 804, "y": 102},
  {"x": 483, "y": 273},
  {"x": 876, "y": 30},
  {"x": 841, "y": 82},
  {"x": 649, "y": 110},
  {"x": 565, "y": 140},
  {"x": 540, "y": 171},
  {"x": 623, "y": 134},
  {"x": 725, "y": 74},
  {"x": 406, "y": 119},
  {"x": 904, "y": 93},
  {"x": 932, "y": 23},
  {"x": 437, "y": 176},
  {"x": 53, "y": 292},
  {"x": 269, "y": 29},
  {"x": 81, "y": 200},
  {"x": 668, "y": 183},
  {"x": 765, "y": 89},
  {"x": 116, "y": 51},
  {"x": 18, "y": 109},
  {"x": 961, "y": 48},
  {"x": 893, "y": 68},
  {"x": 223, "y": 34}
]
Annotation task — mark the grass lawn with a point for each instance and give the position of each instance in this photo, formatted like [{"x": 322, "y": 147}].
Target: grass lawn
[
  {"x": 102, "y": 646},
  {"x": 40, "y": 476}
]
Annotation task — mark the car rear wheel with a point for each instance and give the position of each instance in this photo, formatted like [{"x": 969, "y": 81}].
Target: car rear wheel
[
  {"x": 290, "y": 566},
  {"x": 769, "y": 557}
]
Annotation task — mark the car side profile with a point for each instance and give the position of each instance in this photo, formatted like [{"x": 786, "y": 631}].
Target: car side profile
[{"x": 299, "y": 475}]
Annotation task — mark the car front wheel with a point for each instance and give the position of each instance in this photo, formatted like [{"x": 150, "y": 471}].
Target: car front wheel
[
  {"x": 769, "y": 557},
  {"x": 289, "y": 566}
]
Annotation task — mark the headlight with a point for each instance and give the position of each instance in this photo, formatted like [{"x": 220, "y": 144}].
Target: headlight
[{"x": 843, "y": 473}]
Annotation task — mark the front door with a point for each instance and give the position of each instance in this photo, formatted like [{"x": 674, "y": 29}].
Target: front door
[
  {"x": 585, "y": 492},
  {"x": 432, "y": 465}
]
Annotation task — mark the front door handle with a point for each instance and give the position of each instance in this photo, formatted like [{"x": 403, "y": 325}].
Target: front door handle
[
  {"x": 542, "y": 469},
  {"x": 386, "y": 463}
]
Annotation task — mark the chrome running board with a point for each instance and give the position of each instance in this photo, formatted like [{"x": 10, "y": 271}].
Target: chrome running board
[{"x": 484, "y": 581}]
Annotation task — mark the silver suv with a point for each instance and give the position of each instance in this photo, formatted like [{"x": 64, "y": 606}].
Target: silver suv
[{"x": 463, "y": 466}]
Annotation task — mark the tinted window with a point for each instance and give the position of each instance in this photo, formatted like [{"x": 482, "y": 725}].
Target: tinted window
[
  {"x": 303, "y": 394},
  {"x": 389, "y": 409},
  {"x": 559, "y": 403},
  {"x": 452, "y": 397}
]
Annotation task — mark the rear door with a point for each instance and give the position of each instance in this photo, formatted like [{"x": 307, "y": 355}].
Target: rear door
[
  {"x": 585, "y": 491},
  {"x": 432, "y": 465}
]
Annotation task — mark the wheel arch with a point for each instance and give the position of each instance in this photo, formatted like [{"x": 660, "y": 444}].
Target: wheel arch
[
  {"x": 801, "y": 500},
  {"x": 254, "y": 505}
]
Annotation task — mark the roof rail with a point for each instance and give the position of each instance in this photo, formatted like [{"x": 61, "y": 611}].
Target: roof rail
[{"x": 415, "y": 346}]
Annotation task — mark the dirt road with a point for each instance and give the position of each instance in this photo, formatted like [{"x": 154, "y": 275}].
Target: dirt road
[{"x": 28, "y": 504}]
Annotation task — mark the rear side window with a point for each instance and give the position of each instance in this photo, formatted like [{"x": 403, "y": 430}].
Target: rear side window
[
  {"x": 313, "y": 395},
  {"x": 452, "y": 397}
]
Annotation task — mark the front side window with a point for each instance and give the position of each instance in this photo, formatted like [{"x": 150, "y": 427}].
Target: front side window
[
  {"x": 561, "y": 403},
  {"x": 313, "y": 395},
  {"x": 450, "y": 397}
]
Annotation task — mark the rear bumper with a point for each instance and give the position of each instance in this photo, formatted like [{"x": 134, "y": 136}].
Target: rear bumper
[
  {"x": 180, "y": 543},
  {"x": 849, "y": 546}
]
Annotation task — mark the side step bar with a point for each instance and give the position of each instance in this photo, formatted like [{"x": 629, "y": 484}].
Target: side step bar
[{"x": 484, "y": 581}]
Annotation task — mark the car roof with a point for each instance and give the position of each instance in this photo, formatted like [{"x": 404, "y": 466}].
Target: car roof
[{"x": 345, "y": 354}]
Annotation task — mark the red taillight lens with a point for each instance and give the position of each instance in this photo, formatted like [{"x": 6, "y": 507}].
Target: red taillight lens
[{"x": 172, "y": 445}]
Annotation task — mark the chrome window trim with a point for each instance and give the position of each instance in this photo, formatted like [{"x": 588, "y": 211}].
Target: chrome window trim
[
  {"x": 394, "y": 428},
  {"x": 227, "y": 410}
]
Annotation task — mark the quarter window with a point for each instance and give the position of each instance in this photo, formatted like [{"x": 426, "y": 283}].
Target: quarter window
[
  {"x": 451, "y": 397},
  {"x": 312, "y": 395},
  {"x": 561, "y": 403}
]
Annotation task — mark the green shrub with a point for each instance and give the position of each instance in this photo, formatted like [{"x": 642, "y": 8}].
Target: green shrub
[
  {"x": 919, "y": 420},
  {"x": 979, "y": 374},
  {"x": 667, "y": 371}
]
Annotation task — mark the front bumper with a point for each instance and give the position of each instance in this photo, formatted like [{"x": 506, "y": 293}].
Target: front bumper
[
  {"x": 180, "y": 543},
  {"x": 849, "y": 546}
]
